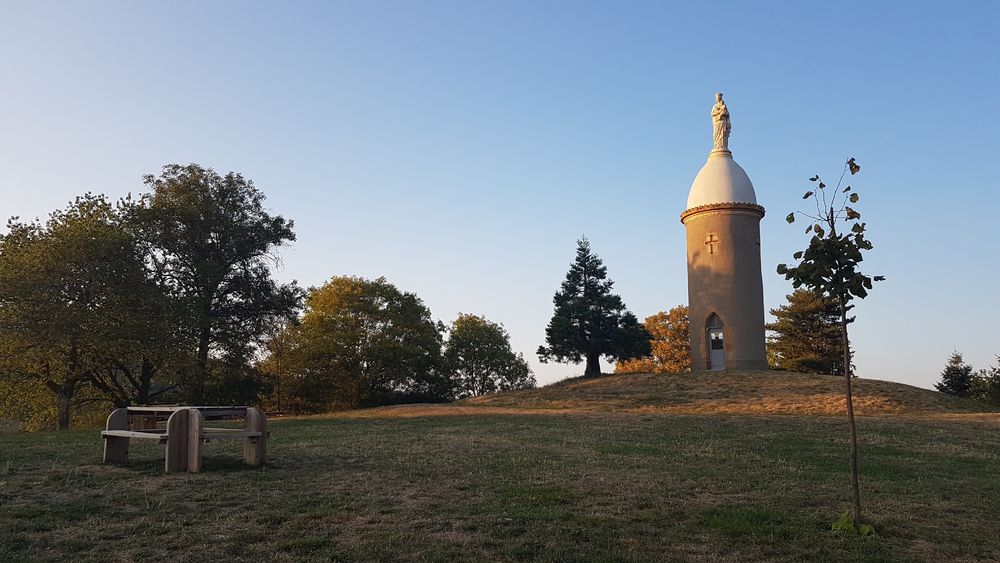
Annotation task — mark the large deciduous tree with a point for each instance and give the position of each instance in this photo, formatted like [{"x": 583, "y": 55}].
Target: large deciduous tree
[
  {"x": 210, "y": 245},
  {"x": 75, "y": 307},
  {"x": 363, "y": 343},
  {"x": 830, "y": 267},
  {"x": 590, "y": 321},
  {"x": 805, "y": 335},
  {"x": 671, "y": 344},
  {"x": 480, "y": 360},
  {"x": 275, "y": 364}
]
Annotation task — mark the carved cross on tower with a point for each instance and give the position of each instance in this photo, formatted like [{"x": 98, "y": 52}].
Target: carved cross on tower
[{"x": 712, "y": 242}]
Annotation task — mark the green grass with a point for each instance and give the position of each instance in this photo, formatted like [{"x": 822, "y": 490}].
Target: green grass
[{"x": 551, "y": 487}]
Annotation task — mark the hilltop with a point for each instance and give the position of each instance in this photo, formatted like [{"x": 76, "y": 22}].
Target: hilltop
[{"x": 707, "y": 392}]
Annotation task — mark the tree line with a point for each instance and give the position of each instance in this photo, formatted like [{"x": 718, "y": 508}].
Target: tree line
[
  {"x": 170, "y": 296},
  {"x": 961, "y": 380},
  {"x": 362, "y": 343}
]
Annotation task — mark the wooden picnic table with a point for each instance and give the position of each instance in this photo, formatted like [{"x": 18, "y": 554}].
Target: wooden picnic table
[{"x": 184, "y": 433}]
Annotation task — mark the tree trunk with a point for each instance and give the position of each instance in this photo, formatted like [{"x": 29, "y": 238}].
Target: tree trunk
[
  {"x": 145, "y": 380},
  {"x": 198, "y": 387},
  {"x": 359, "y": 395},
  {"x": 593, "y": 365},
  {"x": 855, "y": 490},
  {"x": 65, "y": 391},
  {"x": 277, "y": 379},
  {"x": 63, "y": 399}
]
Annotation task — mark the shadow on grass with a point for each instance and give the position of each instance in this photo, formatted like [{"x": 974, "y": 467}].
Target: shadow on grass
[{"x": 748, "y": 521}]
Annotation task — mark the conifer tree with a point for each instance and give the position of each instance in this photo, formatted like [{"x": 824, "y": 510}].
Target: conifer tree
[
  {"x": 957, "y": 377},
  {"x": 806, "y": 334},
  {"x": 986, "y": 385},
  {"x": 590, "y": 321}
]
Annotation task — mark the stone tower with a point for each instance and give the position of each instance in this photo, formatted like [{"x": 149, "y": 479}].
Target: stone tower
[{"x": 725, "y": 292}]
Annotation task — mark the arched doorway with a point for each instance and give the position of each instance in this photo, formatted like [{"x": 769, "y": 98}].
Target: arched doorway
[{"x": 716, "y": 343}]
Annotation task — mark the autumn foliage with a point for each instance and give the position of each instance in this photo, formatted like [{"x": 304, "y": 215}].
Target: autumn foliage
[{"x": 671, "y": 344}]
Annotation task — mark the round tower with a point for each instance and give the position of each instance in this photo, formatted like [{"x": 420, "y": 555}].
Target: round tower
[{"x": 725, "y": 291}]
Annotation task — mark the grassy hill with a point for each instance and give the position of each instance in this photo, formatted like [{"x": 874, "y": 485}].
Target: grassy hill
[
  {"x": 637, "y": 468},
  {"x": 762, "y": 392},
  {"x": 707, "y": 392}
]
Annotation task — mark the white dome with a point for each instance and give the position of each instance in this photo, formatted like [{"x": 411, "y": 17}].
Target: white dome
[{"x": 721, "y": 180}]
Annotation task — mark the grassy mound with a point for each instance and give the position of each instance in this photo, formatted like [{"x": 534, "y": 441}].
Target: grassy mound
[
  {"x": 734, "y": 392},
  {"x": 708, "y": 392}
]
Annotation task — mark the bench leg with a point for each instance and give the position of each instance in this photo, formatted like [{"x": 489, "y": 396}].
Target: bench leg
[
  {"x": 177, "y": 441},
  {"x": 115, "y": 450},
  {"x": 195, "y": 424},
  {"x": 115, "y": 447},
  {"x": 255, "y": 448}
]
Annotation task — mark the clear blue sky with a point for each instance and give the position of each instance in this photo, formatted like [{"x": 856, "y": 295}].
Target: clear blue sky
[{"x": 460, "y": 148}]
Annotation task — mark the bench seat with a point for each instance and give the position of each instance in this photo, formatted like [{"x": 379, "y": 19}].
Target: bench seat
[{"x": 160, "y": 435}]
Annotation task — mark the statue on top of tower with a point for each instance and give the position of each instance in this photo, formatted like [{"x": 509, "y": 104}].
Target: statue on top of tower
[{"x": 721, "y": 127}]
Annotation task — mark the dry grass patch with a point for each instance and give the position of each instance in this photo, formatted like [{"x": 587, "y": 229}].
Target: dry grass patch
[{"x": 748, "y": 392}]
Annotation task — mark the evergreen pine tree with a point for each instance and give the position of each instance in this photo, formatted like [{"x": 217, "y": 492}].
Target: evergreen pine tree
[
  {"x": 986, "y": 385},
  {"x": 590, "y": 321},
  {"x": 956, "y": 379},
  {"x": 806, "y": 334}
]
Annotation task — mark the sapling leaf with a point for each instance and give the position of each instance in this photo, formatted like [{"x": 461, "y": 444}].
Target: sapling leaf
[
  {"x": 830, "y": 267},
  {"x": 790, "y": 218},
  {"x": 845, "y": 524}
]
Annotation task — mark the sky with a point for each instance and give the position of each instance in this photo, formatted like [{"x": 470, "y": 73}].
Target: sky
[{"x": 460, "y": 148}]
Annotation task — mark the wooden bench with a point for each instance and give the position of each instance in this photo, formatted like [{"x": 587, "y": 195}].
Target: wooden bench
[{"x": 184, "y": 433}]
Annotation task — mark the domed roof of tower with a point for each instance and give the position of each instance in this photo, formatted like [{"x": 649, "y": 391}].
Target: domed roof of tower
[{"x": 721, "y": 180}]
